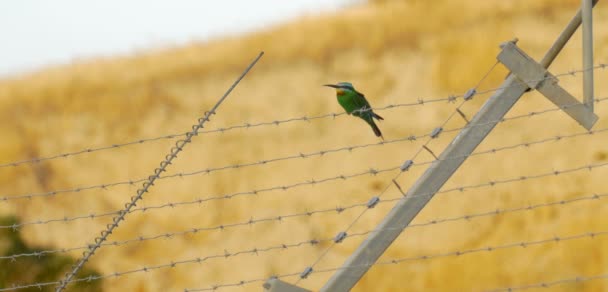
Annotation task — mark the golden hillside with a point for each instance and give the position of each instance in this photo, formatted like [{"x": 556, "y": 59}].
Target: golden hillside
[{"x": 395, "y": 52}]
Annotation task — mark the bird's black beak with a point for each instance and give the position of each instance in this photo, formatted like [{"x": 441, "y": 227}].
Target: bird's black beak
[{"x": 331, "y": 85}]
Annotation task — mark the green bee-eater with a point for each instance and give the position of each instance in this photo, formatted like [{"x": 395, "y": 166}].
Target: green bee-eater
[{"x": 354, "y": 103}]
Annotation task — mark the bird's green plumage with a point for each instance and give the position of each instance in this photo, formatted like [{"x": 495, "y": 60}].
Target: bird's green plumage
[{"x": 355, "y": 103}]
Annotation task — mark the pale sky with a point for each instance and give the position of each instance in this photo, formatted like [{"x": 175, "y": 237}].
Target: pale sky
[{"x": 36, "y": 33}]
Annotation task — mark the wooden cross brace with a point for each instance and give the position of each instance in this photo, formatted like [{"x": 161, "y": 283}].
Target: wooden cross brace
[{"x": 536, "y": 77}]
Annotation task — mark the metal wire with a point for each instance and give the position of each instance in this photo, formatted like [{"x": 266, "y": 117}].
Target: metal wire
[
  {"x": 371, "y": 171},
  {"x": 161, "y": 169},
  {"x": 313, "y": 242},
  {"x": 179, "y": 145},
  {"x": 419, "y": 102},
  {"x": 172, "y": 264},
  {"x": 522, "y": 244},
  {"x": 211, "y": 170},
  {"x": 577, "y": 279},
  {"x": 317, "y": 241},
  {"x": 341, "y": 210},
  {"x": 300, "y": 155}
]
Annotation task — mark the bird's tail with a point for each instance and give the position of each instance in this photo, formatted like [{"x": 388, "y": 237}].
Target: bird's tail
[
  {"x": 378, "y": 117},
  {"x": 376, "y": 129}
]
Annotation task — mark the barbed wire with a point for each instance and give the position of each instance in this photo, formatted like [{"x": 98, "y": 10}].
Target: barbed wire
[
  {"x": 172, "y": 264},
  {"x": 158, "y": 174},
  {"x": 312, "y": 242},
  {"x": 436, "y": 132},
  {"x": 340, "y": 210},
  {"x": 299, "y": 155},
  {"x": 317, "y": 241},
  {"x": 371, "y": 171},
  {"x": 247, "y": 125},
  {"x": 226, "y": 226},
  {"x": 457, "y": 253},
  {"x": 577, "y": 279},
  {"x": 221, "y": 130},
  {"x": 522, "y": 244}
]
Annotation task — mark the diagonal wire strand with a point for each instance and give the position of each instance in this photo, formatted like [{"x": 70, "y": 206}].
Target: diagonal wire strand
[{"x": 179, "y": 145}]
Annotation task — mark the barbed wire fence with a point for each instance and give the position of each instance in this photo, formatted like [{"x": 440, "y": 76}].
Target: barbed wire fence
[
  {"x": 365, "y": 205},
  {"x": 324, "y": 243}
]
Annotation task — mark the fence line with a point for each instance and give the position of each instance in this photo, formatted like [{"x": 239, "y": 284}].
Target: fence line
[
  {"x": 418, "y": 102},
  {"x": 333, "y": 241},
  {"x": 172, "y": 264},
  {"x": 371, "y": 171},
  {"x": 337, "y": 210},
  {"x": 457, "y": 253},
  {"x": 491, "y": 183},
  {"x": 432, "y": 222},
  {"x": 300, "y": 155},
  {"x": 313, "y": 242}
]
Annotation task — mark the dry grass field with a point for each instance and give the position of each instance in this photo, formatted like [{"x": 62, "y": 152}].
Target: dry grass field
[{"x": 393, "y": 51}]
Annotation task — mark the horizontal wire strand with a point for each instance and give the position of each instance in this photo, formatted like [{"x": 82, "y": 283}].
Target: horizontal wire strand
[
  {"x": 491, "y": 183},
  {"x": 371, "y": 171},
  {"x": 419, "y": 102},
  {"x": 457, "y": 253},
  {"x": 315, "y": 241},
  {"x": 300, "y": 155}
]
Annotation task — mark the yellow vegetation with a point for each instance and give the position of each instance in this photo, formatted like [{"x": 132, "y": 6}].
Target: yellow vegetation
[{"x": 394, "y": 52}]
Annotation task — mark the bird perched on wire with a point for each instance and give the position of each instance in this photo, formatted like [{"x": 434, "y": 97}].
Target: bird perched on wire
[{"x": 354, "y": 103}]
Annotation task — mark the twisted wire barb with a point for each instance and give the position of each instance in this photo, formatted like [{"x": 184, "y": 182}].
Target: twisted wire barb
[
  {"x": 371, "y": 171},
  {"x": 457, "y": 253},
  {"x": 179, "y": 145},
  {"x": 419, "y": 102}
]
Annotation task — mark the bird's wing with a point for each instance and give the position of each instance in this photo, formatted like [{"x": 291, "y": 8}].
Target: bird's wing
[{"x": 360, "y": 101}]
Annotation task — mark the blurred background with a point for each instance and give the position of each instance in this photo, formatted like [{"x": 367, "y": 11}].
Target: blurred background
[{"x": 78, "y": 76}]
